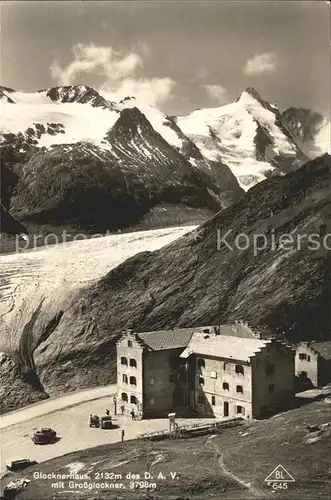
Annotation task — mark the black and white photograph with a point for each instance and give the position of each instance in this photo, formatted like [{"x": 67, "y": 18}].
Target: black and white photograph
[{"x": 165, "y": 250}]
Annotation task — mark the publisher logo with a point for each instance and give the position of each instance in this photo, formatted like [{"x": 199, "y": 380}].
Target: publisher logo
[{"x": 279, "y": 478}]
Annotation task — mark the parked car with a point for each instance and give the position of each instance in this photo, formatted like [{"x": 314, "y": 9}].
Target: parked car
[
  {"x": 15, "y": 465},
  {"x": 44, "y": 436},
  {"x": 94, "y": 421},
  {"x": 106, "y": 422}
]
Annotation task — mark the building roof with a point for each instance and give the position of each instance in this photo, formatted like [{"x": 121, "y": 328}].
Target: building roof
[
  {"x": 241, "y": 330},
  {"x": 224, "y": 346},
  {"x": 167, "y": 339},
  {"x": 323, "y": 348},
  {"x": 180, "y": 337}
]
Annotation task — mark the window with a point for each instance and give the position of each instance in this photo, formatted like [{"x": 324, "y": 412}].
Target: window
[
  {"x": 240, "y": 409},
  {"x": 308, "y": 358},
  {"x": 172, "y": 378},
  {"x": 133, "y": 400},
  {"x": 133, "y": 381},
  {"x": 133, "y": 363},
  {"x": 213, "y": 400},
  {"x": 270, "y": 369},
  {"x": 129, "y": 343},
  {"x": 201, "y": 399},
  {"x": 271, "y": 388},
  {"x": 201, "y": 380},
  {"x": 151, "y": 381},
  {"x": 201, "y": 362},
  {"x": 124, "y": 361},
  {"x": 226, "y": 408},
  {"x": 303, "y": 374},
  {"x": 302, "y": 355},
  {"x": 125, "y": 379},
  {"x": 124, "y": 396},
  {"x": 239, "y": 369},
  {"x": 225, "y": 366},
  {"x": 213, "y": 374},
  {"x": 226, "y": 386},
  {"x": 240, "y": 389}
]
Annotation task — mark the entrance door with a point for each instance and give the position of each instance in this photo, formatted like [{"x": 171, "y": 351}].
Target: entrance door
[{"x": 226, "y": 409}]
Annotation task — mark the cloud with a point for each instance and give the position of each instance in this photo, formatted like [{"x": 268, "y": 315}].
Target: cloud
[
  {"x": 261, "y": 64},
  {"x": 118, "y": 73},
  {"x": 149, "y": 90},
  {"x": 216, "y": 92}
]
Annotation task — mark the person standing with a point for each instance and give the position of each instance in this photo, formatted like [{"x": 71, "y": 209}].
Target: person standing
[
  {"x": 122, "y": 409},
  {"x": 115, "y": 404},
  {"x": 133, "y": 415},
  {"x": 122, "y": 435}
]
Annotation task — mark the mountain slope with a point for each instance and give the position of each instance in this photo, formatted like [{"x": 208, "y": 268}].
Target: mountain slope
[
  {"x": 110, "y": 187},
  {"x": 83, "y": 160},
  {"x": 310, "y": 129},
  {"x": 198, "y": 280},
  {"x": 247, "y": 135}
]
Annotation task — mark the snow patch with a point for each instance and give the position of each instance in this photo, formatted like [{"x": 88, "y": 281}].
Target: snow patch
[{"x": 75, "y": 467}]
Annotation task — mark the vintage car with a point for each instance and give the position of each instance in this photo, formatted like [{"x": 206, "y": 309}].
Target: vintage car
[
  {"x": 106, "y": 422},
  {"x": 94, "y": 421},
  {"x": 15, "y": 465},
  {"x": 44, "y": 436}
]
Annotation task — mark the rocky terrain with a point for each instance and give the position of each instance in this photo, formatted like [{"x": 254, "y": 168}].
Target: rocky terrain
[
  {"x": 281, "y": 289},
  {"x": 310, "y": 129}
]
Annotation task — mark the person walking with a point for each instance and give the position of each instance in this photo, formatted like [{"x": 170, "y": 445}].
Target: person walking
[{"x": 122, "y": 435}]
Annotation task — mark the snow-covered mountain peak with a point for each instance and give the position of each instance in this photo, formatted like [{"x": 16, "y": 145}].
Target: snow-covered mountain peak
[
  {"x": 247, "y": 135},
  {"x": 78, "y": 93},
  {"x": 250, "y": 91},
  {"x": 251, "y": 98}
]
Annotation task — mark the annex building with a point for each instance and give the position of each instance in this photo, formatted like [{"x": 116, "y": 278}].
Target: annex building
[
  {"x": 222, "y": 371},
  {"x": 313, "y": 364}
]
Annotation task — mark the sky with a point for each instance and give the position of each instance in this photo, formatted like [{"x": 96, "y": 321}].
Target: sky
[{"x": 176, "y": 55}]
